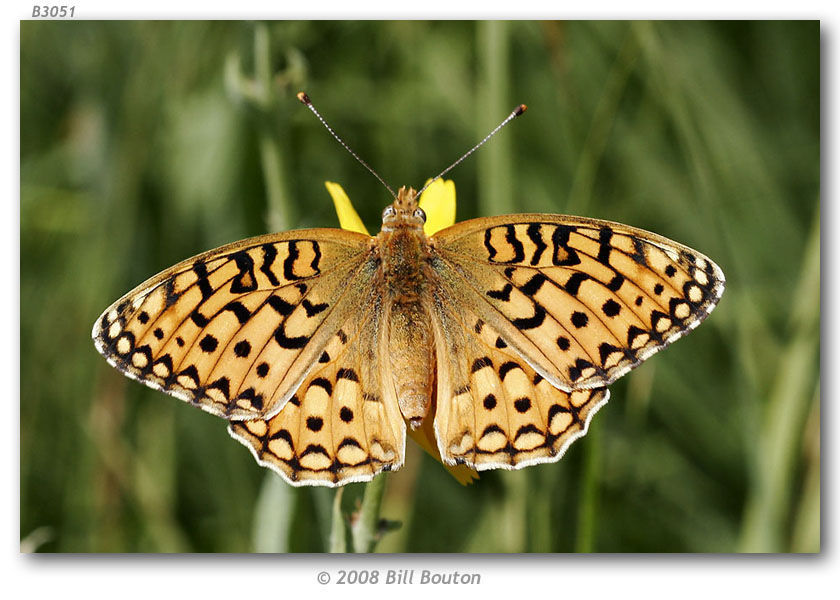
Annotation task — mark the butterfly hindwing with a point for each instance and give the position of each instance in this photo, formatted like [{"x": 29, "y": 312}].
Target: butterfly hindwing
[
  {"x": 341, "y": 425},
  {"x": 493, "y": 410},
  {"x": 582, "y": 300},
  {"x": 234, "y": 330}
]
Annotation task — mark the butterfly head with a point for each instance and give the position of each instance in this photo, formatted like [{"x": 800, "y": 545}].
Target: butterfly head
[{"x": 404, "y": 212}]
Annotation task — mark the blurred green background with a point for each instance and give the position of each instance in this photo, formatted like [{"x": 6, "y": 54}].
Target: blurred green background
[{"x": 145, "y": 143}]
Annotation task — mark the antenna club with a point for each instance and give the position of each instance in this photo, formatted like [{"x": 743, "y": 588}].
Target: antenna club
[
  {"x": 305, "y": 99},
  {"x": 520, "y": 109}
]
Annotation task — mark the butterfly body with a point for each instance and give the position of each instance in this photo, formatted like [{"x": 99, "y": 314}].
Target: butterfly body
[
  {"x": 496, "y": 336},
  {"x": 404, "y": 252}
]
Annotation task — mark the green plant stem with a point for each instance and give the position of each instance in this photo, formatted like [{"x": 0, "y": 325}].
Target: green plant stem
[
  {"x": 766, "y": 512},
  {"x": 273, "y": 515},
  {"x": 366, "y": 529},
  {"x": 495, "y": 184},
  {"x": 806, "y": 526},
  {"x": 588, "y": 508},
  {"x": 338, "y": 528},
  {"x": 272, "y": 159},
  {"x": 600, "y": 127}
]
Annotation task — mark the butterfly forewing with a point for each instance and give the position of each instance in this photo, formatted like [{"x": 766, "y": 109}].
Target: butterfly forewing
[
  {"x": 582, "y": 301},
  {"x": 236, "y": 329}
]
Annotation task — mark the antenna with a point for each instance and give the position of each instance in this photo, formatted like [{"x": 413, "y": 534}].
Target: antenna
[
  {"x": 516, "y": 112},
  {"x": 305, "y": 100}
]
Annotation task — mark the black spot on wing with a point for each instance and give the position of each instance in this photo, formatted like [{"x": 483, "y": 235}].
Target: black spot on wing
[
  {"x": 190, "y": 372},
  {"x": 674, "y": 304},
  {"x": 518, "y": 249},
  {"x": 282, "y": 307},
  {"x": 208, "y": 343},
  {"x": 169, "y": 290},
  {"x": 200, "y": 269},
  {"x": 579, "y": 319},
  {"x": 480, "y": 363},
  {"x": 525, "y": 429},
  {"x": 502, "y": 294},
  {"x": 491, "y": 251},
  {"x": 611, "y": 308},
  {"x": 314, "y": 423},
  {"x": 199, "y": 319},
  {"x": 238, "y": 309},
  {"x": 616, "y": 282},
  {"x": 323, "y": 384},
  {"x": 506, "y": 368},
  {"x": 531, "y": 322},
  {"x": 146, "y": 351},
  {"x": 166, "y": 361},
  {"x": 244, "y": 281},
  {"x": 347, "y": 374},
  {"x": 576, "y": 370},
  {"x": 605, "y": 350},
  {"x": 349, "y": 442},
  {"x": 283, "y": 434},
  {"x": 314, "y": 449},
  {"x": 533, "y": 285},
  {"x": 223, "y": 385},
  {"x": 533, "y": 232},
  {"x": 573, "y": 284},
  {"x": 290, "y": 343},
  {"x": 269, "y": 254},
  {"x": 316, "y": 258},
  {"x": 522, "y": 405},
  {"x": 314, "y": 309},
  {"x": 605, "y": 248},
  {"x": 563, "y": 256},
  {"x": 289, "y": 262},
  {"x": 639, "y": 255}
]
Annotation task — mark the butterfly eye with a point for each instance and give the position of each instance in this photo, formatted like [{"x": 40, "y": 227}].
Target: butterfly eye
[
  {"x": 420, "y": 214},
  {"x": 389, "y": 211}
]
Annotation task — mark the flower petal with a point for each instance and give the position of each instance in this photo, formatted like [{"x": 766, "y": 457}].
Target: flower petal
[
  {"x": 347, "y": 215},
  {"x": 438, "y": 201}
]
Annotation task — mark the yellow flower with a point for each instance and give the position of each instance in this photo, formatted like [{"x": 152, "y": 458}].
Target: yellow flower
[{"x": 438, "y": 201}]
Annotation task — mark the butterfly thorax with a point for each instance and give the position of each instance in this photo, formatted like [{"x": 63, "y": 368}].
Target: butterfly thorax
[
  {"x": 404, "y": 252},
  {"x": 404, "y": 248}
]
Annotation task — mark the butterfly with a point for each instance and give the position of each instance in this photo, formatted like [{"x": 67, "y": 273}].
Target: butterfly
[{"x": 498, "y": 335}]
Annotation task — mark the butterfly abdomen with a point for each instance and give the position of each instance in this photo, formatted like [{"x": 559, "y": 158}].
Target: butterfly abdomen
[{"x": 411, "y": 353}]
